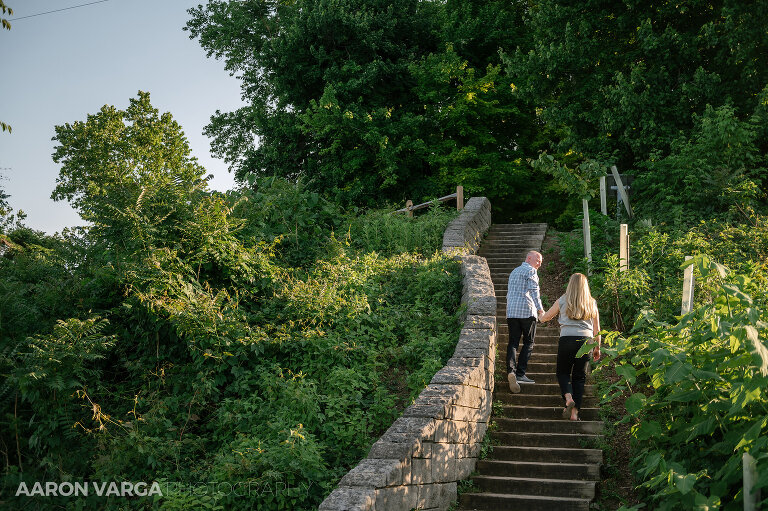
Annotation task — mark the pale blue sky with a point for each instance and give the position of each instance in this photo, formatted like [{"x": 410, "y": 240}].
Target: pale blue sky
[{"x": 60, "y": 67}]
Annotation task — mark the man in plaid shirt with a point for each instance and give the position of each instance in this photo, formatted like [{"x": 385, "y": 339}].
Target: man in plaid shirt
[{"x": 523, "y": 307}]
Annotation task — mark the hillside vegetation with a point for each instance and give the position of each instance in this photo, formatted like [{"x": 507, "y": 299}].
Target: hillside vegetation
[{"x": 268, "y": 334}]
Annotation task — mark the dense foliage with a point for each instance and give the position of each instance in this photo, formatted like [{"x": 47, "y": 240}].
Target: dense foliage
[
  {"x": 636, "y": 83},
  {"x": 269, "y": 333},
  {"x": 369, "y": 101},
  {"x": 694, "y": 385},
  {"x": 261, "y": 339}
]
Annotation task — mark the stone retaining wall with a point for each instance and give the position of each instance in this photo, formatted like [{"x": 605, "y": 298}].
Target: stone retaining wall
[
  {"x": 420, "y": 458},
  {"x": 465, "y": 232}
]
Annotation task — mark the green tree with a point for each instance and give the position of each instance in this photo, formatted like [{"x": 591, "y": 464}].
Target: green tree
[
  {"x": 328, "y": 87},
  {"x": 626, "y": 79},
  {"x": 129, "y": 172}
]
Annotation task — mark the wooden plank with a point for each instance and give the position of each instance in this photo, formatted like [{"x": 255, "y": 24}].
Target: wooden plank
[
  {"x": 459, "y": 198},
  {"x": 409, "y": 207},
  {"x": 749, "y": 472},
  {"x": 623, "y": 247},
  {"x": 603, "y": 197},
  {"x": 423, "y": 205},
  {"x": 622, "y": 190},
  {"x": 687, "y": 289},
  {"x": 587, "y": 233}
]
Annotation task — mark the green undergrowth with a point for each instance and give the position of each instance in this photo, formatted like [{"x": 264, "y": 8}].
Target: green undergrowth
[
  {"x": 244, "y": 352},
  {"x": 691, "y": 388}
]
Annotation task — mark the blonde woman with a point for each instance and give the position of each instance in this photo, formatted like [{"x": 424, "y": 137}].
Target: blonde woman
[{"x": 579, "y": 322}]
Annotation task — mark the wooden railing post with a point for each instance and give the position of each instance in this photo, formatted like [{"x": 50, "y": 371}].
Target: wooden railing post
[
  {"x": 603, "y": 197},
  {"x": 623, "y": 247},
  {"x": 459, "y": 198},
  {"x": 622, "y": 191},
  {"x": 587, "y": 234},
  {"x": 408, "y": 206},
  {"x": 687, "y": 289},
  {"x": 749, "y": 472}
]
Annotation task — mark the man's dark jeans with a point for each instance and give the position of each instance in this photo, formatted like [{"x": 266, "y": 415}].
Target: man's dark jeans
[{"x": 525, "y": 327}]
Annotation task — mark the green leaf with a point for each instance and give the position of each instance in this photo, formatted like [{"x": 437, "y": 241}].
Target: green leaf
[
  {"x": 734, "y": 291},
  {"x": 635, "y": 403},
  {"x": 628, "y": 372},
  {"x": 685, "y": 483},
  {"x": 704, "y": 427},
  {"x": 647, "y": 430},
  {"x": 677, "y": 372},
  {"x": 586, "y": 348},
  {"x": 685, "y": 396}
]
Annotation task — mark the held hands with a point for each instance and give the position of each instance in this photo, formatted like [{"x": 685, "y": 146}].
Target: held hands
[
  {"x": 540, "y": 315},
  {"x": 596, "y": 353}
]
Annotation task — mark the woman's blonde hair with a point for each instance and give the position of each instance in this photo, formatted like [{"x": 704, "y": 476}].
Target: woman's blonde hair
[{"x": 579, "y": 303}]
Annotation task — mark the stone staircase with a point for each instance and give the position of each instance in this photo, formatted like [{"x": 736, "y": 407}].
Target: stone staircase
[{"x": 540, "y": 461}]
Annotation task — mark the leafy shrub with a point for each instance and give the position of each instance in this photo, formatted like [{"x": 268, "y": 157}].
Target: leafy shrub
[{"x": 697, "y": 395}]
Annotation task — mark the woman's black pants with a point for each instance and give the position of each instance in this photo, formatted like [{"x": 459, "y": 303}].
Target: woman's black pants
[{"x": 571, "y": 371}]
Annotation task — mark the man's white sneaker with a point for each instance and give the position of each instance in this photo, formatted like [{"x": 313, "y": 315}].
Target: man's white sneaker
[{"x": 514, "y": 387}]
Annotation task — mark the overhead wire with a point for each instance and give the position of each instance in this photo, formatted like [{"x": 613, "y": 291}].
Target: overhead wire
[{"x": 58, "y": 10}]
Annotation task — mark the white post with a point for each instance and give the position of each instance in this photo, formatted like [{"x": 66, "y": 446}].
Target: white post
[
  {"x": 409, "y": 206},
  {"x": 687, "y": 289},
  {"x": 587, "y": 235},
  {"x": 749, "y": 465},
  {"x": 603, "y": 197},
  {"x": 623, "y": 247},
  {"x": 622, "y": 191}
]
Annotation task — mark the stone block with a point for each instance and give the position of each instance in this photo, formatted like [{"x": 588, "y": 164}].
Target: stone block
[
  {"x": 464, "y": 413},
  {"x": 384, "y": 449},
  {"x": 399, "y": 498},
  {"x": 422, "y": 428},
  {"x": 348, "y": 498},
  {"x": 464, "y": 467},
  {"x": 424, "y": 451},
  {"x": 421, "y": 470},
  {"x": 424, "y": 409},
  {"x": 486, "y": 322},
  {"x": 374, "y": 473},
  {"x": 452, "y": 376}
]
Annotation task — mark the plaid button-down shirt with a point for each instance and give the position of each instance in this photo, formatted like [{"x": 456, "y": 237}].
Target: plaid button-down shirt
[{"x": 523, "y": 298}]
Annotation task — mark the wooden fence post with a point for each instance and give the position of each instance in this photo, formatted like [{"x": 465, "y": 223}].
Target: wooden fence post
[
  {"x": 603, "y": 197},
  {"x": 687, "y": 289},
  {"x": 459, "y": 198},
  {"x": 623, "y": 247},
  {"x": 622, "y": 191},
  {"x": 749, "y": 470},
  {"x": 408, "y": 206},
  {"x": 587, "y": 234}
]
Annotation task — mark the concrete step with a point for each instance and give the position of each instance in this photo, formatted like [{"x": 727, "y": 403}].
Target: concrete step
[
  {"x": 540, "y": 400},
  {"x": 541, "y": 337},
  {"x": 532, "y": 486},
  {"x": 506, "y": 502},
  {"x": 547, "y": 412},
  {"x": 579, "y": 471},
  {"x": 527, "y": 438},
  {"x": 543, "y": 333},
  {"x": 536, "y": 358},
  {"x": 547, "y": 454},
  {"x": 553, "y": 389},
  {"x": 517, "y": 228},
  {"x": 543, "y": 348},
  {"x": 540, "y": 378},
  {"x": 537, "y": 367},
  {"x": 549, "y": 426}
]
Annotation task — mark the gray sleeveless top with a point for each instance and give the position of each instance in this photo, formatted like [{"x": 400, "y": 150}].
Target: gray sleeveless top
[{"x": 568, "y": 326}]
